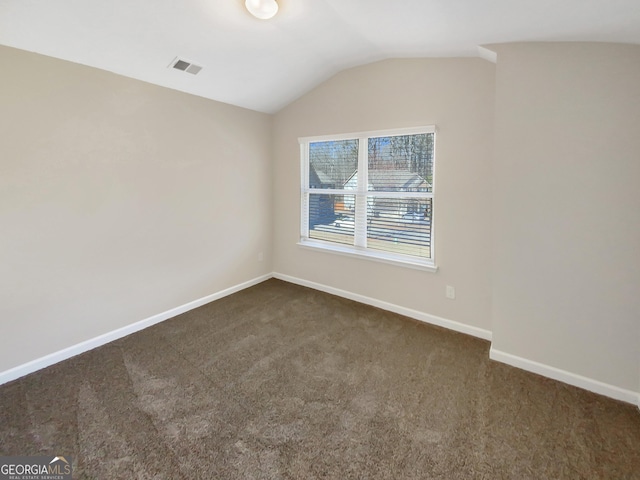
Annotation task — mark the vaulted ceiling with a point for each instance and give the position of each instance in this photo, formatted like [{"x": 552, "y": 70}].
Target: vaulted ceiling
[{"x": 265, "y": 64}]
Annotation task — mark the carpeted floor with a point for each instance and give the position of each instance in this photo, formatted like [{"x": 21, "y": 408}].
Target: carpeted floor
[{"x": 284, "y": 382}]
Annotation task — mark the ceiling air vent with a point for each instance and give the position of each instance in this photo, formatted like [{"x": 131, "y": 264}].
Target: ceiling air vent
[{"x": 185, "y": 66}]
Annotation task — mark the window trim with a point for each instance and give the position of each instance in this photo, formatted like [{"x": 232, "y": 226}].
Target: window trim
[{"x": 358, "y": 251}]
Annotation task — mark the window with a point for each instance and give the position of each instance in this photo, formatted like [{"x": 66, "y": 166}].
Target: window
[{"x": 370, "y": 194}]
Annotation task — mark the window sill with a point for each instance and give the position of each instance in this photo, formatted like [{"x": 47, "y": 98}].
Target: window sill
[{"x": 377, "y": 256}]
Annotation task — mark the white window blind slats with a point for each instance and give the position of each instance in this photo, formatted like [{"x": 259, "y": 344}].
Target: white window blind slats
[{"x": 401, "y": 226}]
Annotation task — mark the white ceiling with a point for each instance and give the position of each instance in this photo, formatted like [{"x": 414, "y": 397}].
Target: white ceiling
[{"x": 265, "y": 64}]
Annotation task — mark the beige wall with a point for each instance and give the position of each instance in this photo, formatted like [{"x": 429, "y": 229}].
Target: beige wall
[
  {"x": 457, "y": 95},
  {"x": 566, "y": 281},
  {"x": 119, "y": 200}
]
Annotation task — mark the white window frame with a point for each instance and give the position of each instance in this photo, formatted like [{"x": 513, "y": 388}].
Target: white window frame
[{"x": 359, "y": 249}]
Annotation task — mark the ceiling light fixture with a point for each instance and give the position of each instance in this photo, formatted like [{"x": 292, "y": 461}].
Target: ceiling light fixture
[{"x": 262, "y": 9}]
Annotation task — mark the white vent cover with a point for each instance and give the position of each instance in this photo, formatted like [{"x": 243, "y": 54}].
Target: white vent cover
[{"x": 184, "y": 65}]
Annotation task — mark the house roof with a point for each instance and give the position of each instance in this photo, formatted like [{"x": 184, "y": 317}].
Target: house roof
[
  {"x": 266, "y": 64},
  {"x": 319, "y": 178}
]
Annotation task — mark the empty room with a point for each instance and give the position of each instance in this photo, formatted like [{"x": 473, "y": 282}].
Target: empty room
[{"x": 290, "y": 239}]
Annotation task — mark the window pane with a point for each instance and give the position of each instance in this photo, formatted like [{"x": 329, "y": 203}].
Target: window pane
[
  {"x": 332, "y": 164},
  {"x": 401, "y": 163},
  {"x": 399, "y": 225},
  {"x": 331, "y": 218}
]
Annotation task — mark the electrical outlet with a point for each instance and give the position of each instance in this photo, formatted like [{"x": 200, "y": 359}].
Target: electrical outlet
[{"x": 451, "y": 292}]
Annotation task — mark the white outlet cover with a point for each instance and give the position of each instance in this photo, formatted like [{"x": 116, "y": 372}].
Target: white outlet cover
[{"x": 451, "y": 292}]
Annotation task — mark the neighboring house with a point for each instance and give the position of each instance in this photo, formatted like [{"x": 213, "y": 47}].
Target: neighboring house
[
  {"x": 391, "y": 181},
  {"x": 321, "y": 207}
]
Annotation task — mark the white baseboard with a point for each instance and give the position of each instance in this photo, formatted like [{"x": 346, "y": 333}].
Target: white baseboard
[
  {"x": 566, "y": 377},
  {"x": 47, "y": 360},
  {"x": 407, "y": 312}
]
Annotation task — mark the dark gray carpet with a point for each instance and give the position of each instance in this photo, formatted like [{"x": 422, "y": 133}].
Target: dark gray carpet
[{"x": 283, "y": 382}]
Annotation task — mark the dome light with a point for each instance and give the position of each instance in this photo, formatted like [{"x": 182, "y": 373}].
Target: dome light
[{"x": 262, "y": 9}]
